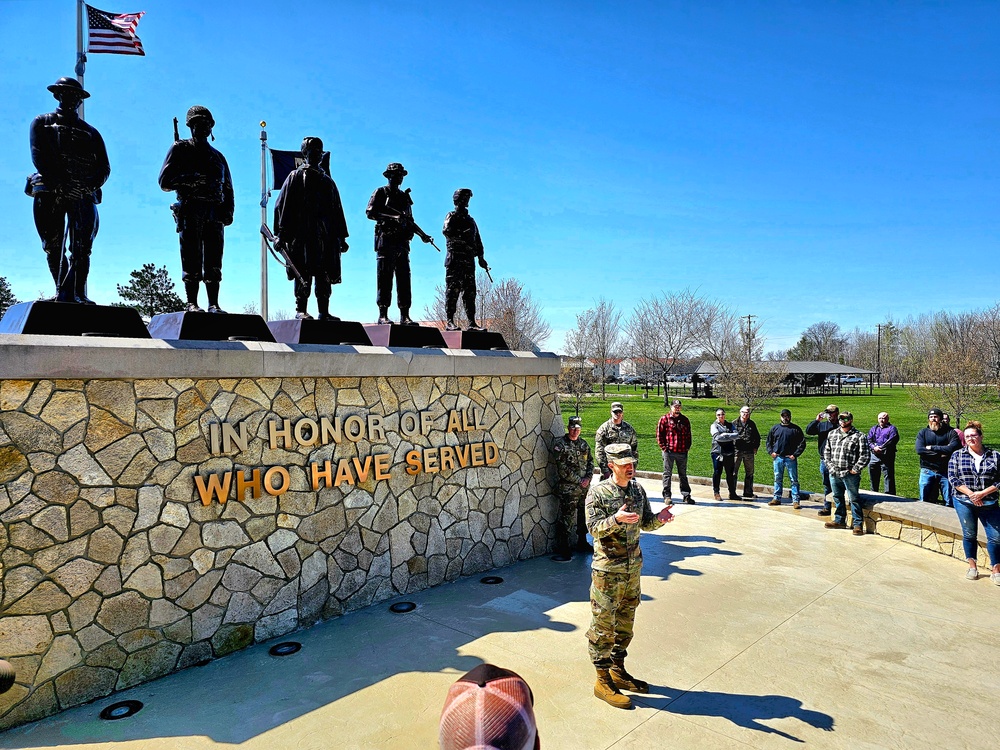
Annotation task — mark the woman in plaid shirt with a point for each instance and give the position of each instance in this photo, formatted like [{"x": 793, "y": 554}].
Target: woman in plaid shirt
[{"x": 974, "y": 474}]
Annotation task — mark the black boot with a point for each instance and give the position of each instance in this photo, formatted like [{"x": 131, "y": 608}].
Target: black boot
[
  {"x": 59, "y": 268},
  {"x": 383, "y": 317},
  {"x": 212, "y": 290},
  {"x": 81, "y": 270},
  {"x": 404, "y": 317},
  {"x": 191, "y": 291},
  {"x": 323, "y": 304}
]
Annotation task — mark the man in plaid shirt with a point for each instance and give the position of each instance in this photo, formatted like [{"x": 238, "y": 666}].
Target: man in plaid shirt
[
  {"x": 846, "y": 455},
  {"x": 673, "y": 434}
]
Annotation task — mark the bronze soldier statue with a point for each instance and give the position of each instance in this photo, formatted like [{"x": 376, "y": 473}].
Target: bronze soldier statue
[
  {"x": 72, "y": 165},
  {"x": 200, "y": 175},
  {"x": 389, "y": 208},
  {"x": 464, "y": 245},
  {"x": 310, "y": 225}
]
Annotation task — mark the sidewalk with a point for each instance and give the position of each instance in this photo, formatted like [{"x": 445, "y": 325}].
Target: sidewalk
[{"x": 759, "y": 628}]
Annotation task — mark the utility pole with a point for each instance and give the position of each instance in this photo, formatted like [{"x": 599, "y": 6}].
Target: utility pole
[
  {"x": 749, "y": 336},
  {"x": 878, "y": 356}
]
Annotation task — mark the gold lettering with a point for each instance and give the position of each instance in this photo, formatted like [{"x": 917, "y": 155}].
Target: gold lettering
[
  {"x": 329, "y": 431},
  {"x": 467, "y": 425},
  {"x": 354, "y": 428},
  {"x": 285, "y": 433},
  {"x": 475, "y": 418},
  {"x": 376, "y": 432},
  {"x": 213, "y": 439},
  {"x": 454, "y": 424},
  {"x": 281, "y": 472},
  {"x": 413, "y": 462},
  {"x": 363, "y": 470},
  {"x": 382, "y": 466},
  {"x": 217, "y": 487},
  {"x": 230, "y": 436},
  {"x": 343, "y": 473},
  {"x": 243, "y": 484},
  {"x": 462, "y": 451},
  {"x": 477, "y": 454},
  {"x": 447, "y": 458},
  {"x": 408, "y": 424},
  {"x": 300, "y": 432},
  {"x": 492, "y": 453},
  {"x": 431, "y": 461},
  {"x": 325, "y": 473},
  {"x": 426, "y": 422}
]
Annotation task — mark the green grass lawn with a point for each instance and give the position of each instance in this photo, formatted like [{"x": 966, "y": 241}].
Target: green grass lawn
[{"x": 644, "y": 415}]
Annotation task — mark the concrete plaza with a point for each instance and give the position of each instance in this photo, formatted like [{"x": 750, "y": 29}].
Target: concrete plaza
[{"x": 759, "y": 628}]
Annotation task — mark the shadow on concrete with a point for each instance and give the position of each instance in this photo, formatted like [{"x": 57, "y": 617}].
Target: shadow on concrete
[{"x": 743, "y": 710}]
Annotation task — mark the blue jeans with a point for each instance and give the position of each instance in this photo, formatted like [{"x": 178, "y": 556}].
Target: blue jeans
[
  {"x": 930, "y": 482},
  {"x": 825, "y": 473},
  {"x": 849, "y": 483},
  {"x": 968, "y": 514},
  {"x": 780, "y": 464}
]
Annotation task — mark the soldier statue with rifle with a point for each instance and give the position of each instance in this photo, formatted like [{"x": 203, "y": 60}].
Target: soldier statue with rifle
[
  {"x": 72, "y": 165},
  {"x": 464, "y": 246},
  {"x": 389, "y": 208},
  {"x": 200, "y": 175}
]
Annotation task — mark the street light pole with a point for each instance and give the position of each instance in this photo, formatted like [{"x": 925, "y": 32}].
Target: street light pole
[{"x": 878, "y": 356}]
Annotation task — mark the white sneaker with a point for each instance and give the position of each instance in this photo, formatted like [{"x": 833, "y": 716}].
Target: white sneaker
[
  {"x": 973, "y": 574},
  {"x": 995, "y": 577}
]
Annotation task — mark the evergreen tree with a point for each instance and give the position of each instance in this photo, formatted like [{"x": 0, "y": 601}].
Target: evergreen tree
[{"x": 151, "y": 292}]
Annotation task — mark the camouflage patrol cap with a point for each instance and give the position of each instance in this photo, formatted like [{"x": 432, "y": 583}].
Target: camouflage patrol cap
[
  {"x": 198, "y": 112},
  {"x": 616, "y": 406},
  {"x": 395, "y": 168},
  {"x": 619, "y": 453},
  {"x": 575, "y": 422}
]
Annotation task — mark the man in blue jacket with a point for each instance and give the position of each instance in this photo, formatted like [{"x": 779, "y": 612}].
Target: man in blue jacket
[{"x": 785, "y": 443}]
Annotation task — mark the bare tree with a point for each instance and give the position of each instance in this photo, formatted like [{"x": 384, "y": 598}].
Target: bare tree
[
  {"x": 576, "y": 377},
  {"x": 505, "y": 307},
  {"x": 605, "y": 336},
  {"x": 823, "y": 341},
  {"x": 660, "y": 331}
]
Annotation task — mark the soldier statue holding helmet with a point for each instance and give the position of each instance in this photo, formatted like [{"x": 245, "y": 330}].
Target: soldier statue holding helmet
[
  {"x": 72, "y": 165},
  {"x": 200, "y": 175}
]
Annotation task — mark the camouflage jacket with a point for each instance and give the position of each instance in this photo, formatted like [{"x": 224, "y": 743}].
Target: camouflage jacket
[
  {"x": 610, "y": 433},
  {"x": 616, "y": 545},
  {"x": 574, "y": 462}
]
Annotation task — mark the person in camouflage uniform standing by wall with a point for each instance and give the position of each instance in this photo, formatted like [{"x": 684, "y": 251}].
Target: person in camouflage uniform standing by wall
[
  {"x": 575, "y": 464},
  {"x": 617, "y": 509},
  {"x": 615, "y": 430}
]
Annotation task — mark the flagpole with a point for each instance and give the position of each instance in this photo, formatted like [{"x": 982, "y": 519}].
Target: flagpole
[
  {"x": 81, "y": 57},
  {"x": 263, "y": 219}
]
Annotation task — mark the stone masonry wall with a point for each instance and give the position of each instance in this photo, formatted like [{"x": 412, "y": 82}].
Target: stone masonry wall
[{"x": 113, "y": 571}]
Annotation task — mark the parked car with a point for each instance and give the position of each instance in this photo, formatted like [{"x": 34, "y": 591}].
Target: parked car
[{"x": 851, "y": 380}]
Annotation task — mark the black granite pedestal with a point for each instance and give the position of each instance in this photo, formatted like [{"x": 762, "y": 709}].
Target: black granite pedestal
[
  {"x": 329, "y": 332},
  {"x": 72, "y": 319},
  {"x": 484, "y": 340},
  {"x": 204, "y": 326},
  {"x": 394, "y": 334}
]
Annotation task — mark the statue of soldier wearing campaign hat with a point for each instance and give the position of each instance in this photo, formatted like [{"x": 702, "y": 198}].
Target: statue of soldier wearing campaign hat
[
  {"x": 72, "y": 165},
  {"x": 200, "y": 175},
  {"x": 390, "y": 209},
  {"x": 464, "y": 246}
]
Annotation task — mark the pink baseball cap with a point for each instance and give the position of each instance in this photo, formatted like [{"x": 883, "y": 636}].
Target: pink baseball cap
[{"x": 489, "y": 708}]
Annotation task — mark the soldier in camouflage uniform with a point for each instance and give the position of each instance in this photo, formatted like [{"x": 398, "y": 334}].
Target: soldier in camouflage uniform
[
  {"x": 575, "y": 464},
  {"x": 615, "y": 430},
  {"x": 617, "y": 509}
]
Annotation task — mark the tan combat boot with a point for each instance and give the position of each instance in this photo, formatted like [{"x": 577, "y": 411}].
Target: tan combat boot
[
  {"x": 605, "y": 689},
  {"x": 624, "y": 681}
]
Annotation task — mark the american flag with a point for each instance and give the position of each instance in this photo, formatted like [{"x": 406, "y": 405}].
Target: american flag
[{"x": 113, "y": 33}]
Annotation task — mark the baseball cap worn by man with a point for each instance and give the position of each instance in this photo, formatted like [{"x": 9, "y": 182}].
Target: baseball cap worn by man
[
  {"x": 489, "y": 708},
  {"x": 619, "y": 453},
  {"x": 832, "y": 409},
  {"x": 575, "y": 422},
  {"x": 616, "y": 406},
  {"x": 935, "y": 412}
]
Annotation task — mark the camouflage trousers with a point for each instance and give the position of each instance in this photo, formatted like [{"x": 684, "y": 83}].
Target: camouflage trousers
[
  {"x": 613, "y": 599},
  {"x": 571, "y": 506}
]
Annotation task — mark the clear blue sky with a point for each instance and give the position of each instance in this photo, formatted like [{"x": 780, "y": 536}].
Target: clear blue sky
[{"x": 807, "y": 161}]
